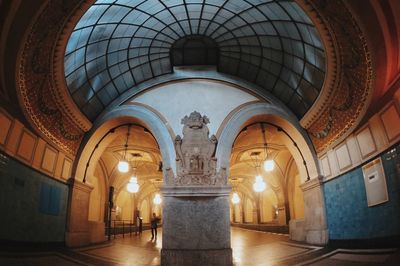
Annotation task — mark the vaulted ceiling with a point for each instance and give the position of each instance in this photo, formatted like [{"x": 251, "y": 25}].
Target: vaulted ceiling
[{"x": 117, "y": 45}]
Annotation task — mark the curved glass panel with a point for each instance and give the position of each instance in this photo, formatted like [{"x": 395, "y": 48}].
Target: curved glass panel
[{"x": 118, "y": 44}]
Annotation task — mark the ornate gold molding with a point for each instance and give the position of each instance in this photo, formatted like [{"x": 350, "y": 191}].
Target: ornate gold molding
[
  {"x": 48, "y": 106},
  {"x": 41, "y": 98},
  {"x": 348, "y": 84}
]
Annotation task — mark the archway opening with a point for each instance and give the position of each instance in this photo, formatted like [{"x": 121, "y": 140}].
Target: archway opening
[
  {"x": 271, "y": 205},
  {"x": 119, "y": 199}
]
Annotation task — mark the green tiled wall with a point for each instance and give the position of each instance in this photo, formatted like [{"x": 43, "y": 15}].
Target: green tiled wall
[
  {"x": 348, "y": 214},
  {"x": 33, "y": 206}
]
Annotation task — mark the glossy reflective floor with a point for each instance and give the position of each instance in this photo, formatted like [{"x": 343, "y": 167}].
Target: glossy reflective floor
[{"x": 249, "y": 248}]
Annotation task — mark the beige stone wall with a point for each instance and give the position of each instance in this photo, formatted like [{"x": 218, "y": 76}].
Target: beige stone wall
[
  {"x": 268, "y": 201},
  {"x": 21, "y": 143},
  {"x": 96, "y": 202},
  {"x": 208, "y": 97},
  {"x": 125, "y": 201},
  {"x": 295, "y": 195},
  {"x": 248, "y": 211},
  {"x": 237, "y": 212},
  {"x": 380, "y": 132},
  {"x": 145, "y": 211}
]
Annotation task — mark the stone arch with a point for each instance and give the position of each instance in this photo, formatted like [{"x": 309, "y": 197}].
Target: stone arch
[
  {"x": 119, "y": 116},
  {"x": 313, "y": 229},
  {"x": 255, "y": 112}
]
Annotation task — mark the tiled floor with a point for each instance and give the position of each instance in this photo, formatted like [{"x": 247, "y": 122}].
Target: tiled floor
[{"x": 249, "y": 248}]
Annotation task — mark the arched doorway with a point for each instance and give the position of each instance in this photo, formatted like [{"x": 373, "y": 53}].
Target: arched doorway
[
  {"x": 99, "y": 190},
  {"x": 312, "y": 228},
  {"x": 277, "y": 202}
]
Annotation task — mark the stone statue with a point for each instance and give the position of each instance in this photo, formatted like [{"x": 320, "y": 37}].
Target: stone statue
[{"x": 196, "y": 164}]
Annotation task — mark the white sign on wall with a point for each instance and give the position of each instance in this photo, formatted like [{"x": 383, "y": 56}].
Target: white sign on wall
[{"x": 375, "y": 183}]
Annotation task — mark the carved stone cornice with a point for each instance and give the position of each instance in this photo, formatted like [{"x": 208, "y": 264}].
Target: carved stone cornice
[
  {"x": 44, "y": 103},
  {"x": 348, "y": 84}
]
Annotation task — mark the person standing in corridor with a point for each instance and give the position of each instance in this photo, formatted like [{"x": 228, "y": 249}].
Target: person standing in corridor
[{"x": 153, "y": 223}]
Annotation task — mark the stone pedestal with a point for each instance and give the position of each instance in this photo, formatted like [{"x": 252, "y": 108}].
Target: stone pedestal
[
  {"x": 196, "y": 226},
  {"x": 296, "y": 230},
  {"x": 315, "y": 227},
  {"x": 77, "y": 233}
]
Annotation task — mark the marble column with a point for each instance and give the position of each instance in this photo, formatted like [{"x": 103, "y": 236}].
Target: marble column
[
  {"x": 315, "y": 227},
  {"x": 77, "y": 232}
]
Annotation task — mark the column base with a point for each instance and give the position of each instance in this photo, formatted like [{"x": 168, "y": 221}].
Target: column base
[
  {"x": 317, "y": 237},
  {"x": 178, "y": 257},
  {"x": 77, "y": 239}
]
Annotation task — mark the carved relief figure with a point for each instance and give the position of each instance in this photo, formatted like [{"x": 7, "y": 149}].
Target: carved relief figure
[{"x": 196, "y": 164}]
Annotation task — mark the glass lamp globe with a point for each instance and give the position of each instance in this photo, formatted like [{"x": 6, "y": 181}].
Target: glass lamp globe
[
  {"x": 132, "y": 187},
  {"x": 269, "y": 165},
  {"x": 259, "y": 185},
  {"x": 123, "y": 166},
  {"x": 157, "y": 199},
  {"x": 235, "y": 198}
]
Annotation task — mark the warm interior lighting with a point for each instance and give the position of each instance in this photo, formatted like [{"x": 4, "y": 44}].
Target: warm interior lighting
[
  {"x": 259, "y": 185},
  {"x": 269, "y": 165},
  {"x": 157, "y": 199},
  {"x": 235, "y": 198},
  {"x": 123, "y": 166},
  {"x": 133, "y": 185}
]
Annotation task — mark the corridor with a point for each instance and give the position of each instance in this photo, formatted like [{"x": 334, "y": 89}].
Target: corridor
[{"x": 249, "y": 248}]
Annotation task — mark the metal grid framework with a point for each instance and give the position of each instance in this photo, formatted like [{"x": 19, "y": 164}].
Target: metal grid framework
[{"x": 118, "y": 44}]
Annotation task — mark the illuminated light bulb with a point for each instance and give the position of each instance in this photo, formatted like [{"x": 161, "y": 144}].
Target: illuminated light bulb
[
  {"x": 123, "y": 166},
  {"x": 259, "y": 185},
  {"x": 133, "y": 185},
  {"x": 235, "y": 198},
  {"x": 269, "y": 165},
  {"x": 157, "y": 199}
]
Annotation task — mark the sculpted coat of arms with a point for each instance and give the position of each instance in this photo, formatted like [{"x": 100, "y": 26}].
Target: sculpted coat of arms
[{"x": 196, "y": 163}]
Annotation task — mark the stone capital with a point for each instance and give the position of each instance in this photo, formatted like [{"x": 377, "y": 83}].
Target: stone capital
[
  {"x": 313, "y": 183},
  {"x": 76, "y": 184},
  {"x": 196, "y": 191}
]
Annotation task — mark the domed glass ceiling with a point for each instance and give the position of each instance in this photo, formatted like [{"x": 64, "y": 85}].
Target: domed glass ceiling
[{"x": 118, "y": 44}]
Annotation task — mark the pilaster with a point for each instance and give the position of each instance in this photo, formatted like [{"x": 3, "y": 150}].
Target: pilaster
[
  {"x": 77, "y": 233},
  {"x": 315, "y": 226}
]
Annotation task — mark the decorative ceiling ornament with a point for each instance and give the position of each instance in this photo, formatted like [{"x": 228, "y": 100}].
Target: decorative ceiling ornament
[
  {"x": 331, "y": 118},
  {"x": 37, "y": 92},
  {"x": 348, "y": 85}
]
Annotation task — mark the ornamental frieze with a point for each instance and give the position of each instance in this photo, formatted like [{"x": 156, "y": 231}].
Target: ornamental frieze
[
  {"x": 36, "y": 83},
  {"x": 348, "y": 85}
]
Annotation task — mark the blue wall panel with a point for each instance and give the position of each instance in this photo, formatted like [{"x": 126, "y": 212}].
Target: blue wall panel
[
  {"x": 348, "y": 214},
  {"x": 32, "y": 205}
]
